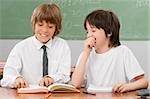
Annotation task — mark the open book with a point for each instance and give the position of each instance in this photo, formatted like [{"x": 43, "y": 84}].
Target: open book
[
  {"x": 93, "y": 88},
  {"x": 56, "y": 87}
]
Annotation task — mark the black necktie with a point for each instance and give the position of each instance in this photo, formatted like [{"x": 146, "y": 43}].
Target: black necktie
[{"x": 45, "y": 61}]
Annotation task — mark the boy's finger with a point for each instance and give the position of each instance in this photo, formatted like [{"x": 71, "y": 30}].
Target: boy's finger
[{"x": 41, "y": 83}]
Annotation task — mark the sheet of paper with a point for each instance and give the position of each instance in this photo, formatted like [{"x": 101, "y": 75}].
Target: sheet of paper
[
  {"x": 93, "y": 88},
  {"x": 32, "y": 87}
]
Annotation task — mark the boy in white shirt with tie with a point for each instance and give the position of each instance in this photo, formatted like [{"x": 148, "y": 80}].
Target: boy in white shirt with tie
[{"x": 24, "y": 65}]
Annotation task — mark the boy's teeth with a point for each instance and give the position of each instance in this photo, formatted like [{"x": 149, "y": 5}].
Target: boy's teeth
[{"x": 43, "y": 35}]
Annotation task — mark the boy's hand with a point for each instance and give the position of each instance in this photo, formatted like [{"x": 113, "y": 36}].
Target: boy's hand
[
  {"x": 46, "y": 80},
  {"x": 120, "y": 88},
  {"x": 89, "y": 43},
  {"x": 20, "y": 82}
]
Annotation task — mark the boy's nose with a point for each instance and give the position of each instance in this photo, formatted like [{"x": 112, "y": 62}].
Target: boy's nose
[{"x": 45, "y": 29}]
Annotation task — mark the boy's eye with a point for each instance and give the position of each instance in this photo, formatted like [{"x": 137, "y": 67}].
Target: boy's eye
[
  {"x": 94, "y": 30},
  {"x": 50, "y": 26},
  {"x": 40, "y": 24}
]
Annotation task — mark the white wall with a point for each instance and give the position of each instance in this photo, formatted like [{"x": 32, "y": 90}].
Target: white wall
[{"x": 141, "y": 50}]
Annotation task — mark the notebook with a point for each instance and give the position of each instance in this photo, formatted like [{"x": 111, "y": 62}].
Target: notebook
[
  {"x": 143, "y": 92},
  {"x": 93, "y": 88}
]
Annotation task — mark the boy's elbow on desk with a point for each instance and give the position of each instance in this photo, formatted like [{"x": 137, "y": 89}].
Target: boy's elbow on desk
[
  {"x": 141, "y": 83},
  {"x": 75, "y": 83},
  {"x": 146, "y": 83}
]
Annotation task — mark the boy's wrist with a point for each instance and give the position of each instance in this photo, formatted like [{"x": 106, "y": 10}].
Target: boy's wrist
[
  {"x": 86, "y": 52},
  {"x": 19, "y": 77},
  {"x": 47, "y": 76}
]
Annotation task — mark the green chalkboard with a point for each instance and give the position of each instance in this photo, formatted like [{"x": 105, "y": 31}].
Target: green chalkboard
[{"x": 134, "y": 16}]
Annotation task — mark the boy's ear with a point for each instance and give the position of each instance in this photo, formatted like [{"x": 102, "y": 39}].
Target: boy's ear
[{"x": 109, "y": 34}]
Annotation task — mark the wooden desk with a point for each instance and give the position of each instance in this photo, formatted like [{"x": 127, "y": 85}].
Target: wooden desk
[{"x": 6, "y": 93}]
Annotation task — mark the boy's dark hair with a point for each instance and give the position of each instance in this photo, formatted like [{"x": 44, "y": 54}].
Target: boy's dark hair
[
  {"x": 106, "y": 20},
  {"x": 50, "y": 13}
]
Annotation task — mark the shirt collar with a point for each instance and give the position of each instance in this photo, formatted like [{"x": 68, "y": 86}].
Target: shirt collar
[{"x": 38, "y": 44}]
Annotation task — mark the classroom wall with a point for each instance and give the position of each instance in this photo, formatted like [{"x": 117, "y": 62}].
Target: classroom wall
[
  {"x": 141, "y": 49},
  {"x": 133, "y": 14}
]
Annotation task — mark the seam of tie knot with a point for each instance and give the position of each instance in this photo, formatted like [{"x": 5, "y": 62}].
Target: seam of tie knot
[{"x": 43, "y": 47}]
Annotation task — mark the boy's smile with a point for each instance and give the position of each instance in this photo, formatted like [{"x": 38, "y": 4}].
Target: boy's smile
[{"x": 44, "y": 31}]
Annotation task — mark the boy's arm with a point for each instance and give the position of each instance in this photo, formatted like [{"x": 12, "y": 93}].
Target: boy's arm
[
  {"x": 78, "y": 74},
  {"x": 134, "y": 74},
  {"x": 139, "y": 82},
  {"x": 11, "y": 69}
]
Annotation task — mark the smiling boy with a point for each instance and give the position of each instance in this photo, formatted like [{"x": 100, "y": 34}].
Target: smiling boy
[{"x": 24, "y": 65}]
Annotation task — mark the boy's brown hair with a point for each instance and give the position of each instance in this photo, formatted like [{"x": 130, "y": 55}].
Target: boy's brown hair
[
  {"x": 108, "y": 21},
  {"x": 49, "y": 13}
]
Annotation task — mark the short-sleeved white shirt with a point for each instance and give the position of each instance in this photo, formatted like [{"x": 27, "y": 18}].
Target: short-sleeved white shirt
[
  {"x": 118, "y": 65},
  {"x": 26, "y": 60}
]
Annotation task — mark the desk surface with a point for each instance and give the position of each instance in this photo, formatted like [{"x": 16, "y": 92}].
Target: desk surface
[{"x": 6, "y": 93}]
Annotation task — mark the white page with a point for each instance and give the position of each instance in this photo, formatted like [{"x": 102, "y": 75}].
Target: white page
[
  {"x": 32, "y": 87},
  {"x": 93, "y": 88}
]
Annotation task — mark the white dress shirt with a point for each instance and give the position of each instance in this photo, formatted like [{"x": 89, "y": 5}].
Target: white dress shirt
[{"x": 26, "y": 60}]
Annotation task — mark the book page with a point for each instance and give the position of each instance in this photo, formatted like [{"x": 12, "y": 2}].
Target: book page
[
  {"x": 33, "y": 89},
  {"x": 93, "y": 88},
  {"x": 58, "y": 87}
]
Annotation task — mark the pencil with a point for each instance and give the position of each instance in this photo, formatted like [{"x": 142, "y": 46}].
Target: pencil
[
  {"x": 49, "y": 94},
  {"x": 90, "y": 93}
]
